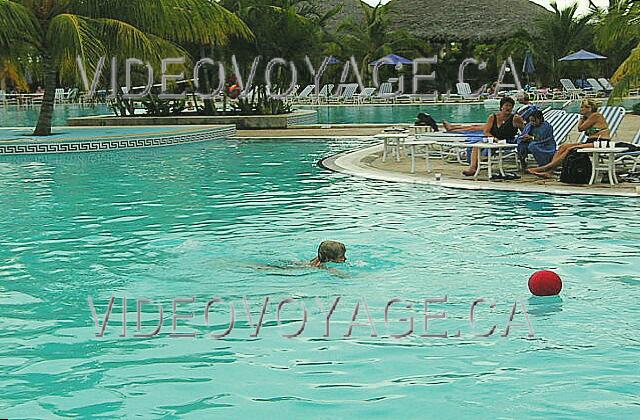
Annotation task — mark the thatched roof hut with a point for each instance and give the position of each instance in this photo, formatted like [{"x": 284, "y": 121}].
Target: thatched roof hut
[
  {"x": 464, "y": 20},
  {"x": 350, "y": 9}
]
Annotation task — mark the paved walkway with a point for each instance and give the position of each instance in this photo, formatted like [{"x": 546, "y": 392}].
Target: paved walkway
[{"x": 629, "y": 127}]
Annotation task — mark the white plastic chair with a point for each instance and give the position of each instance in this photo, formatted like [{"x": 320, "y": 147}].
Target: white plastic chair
[{"x": 59, "y": 95}]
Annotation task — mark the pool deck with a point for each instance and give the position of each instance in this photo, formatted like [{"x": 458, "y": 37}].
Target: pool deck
[
  {"x": 367, "y": 163},
  {"x": 629, "y": 127},
  {"x": 317, "y": 131}
]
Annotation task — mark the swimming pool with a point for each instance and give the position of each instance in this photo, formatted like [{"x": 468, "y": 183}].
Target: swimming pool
[
  {"x": 396, "y": 114},
  {"x": 13, "y": 116},
  {"x": 360, "y": 114},
  {"x": 208, "y": 219}
]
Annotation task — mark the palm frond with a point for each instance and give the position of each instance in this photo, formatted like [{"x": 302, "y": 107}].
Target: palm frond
[
  {"x": 16, "y": 23},
  {"x": 10, "y": 69},
  {"x": 195, "y": 21},
  {"x": 627, "y": 75},
  {"x": 70, "y": 36}
]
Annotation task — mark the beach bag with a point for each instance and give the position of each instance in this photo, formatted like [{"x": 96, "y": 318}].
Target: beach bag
[{"x": 576, "y": 168}]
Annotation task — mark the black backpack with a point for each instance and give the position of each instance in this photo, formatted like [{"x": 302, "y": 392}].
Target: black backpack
[{"x": 576, "y": 168}]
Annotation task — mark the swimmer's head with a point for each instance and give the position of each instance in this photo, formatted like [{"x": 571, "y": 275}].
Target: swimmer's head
[{"x": 332, "y": 251}]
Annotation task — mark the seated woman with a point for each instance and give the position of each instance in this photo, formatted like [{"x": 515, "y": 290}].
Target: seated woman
[
  {"x": 537, "y": 139},
  {"x": 524, "y": 112},
  {"x": 592, "y": 124},
  {"x": 458, "y": 128},
  {"x": 502, "y": 126},
  {"x": 526, "y": 109}
]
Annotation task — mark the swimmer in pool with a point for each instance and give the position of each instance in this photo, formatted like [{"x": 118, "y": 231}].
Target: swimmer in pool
[{"x": 329, "y": 251}]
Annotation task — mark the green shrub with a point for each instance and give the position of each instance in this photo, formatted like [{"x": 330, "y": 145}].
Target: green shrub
[{"x": 636, "y": 109}]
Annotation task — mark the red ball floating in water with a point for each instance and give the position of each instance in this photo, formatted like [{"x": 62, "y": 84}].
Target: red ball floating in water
[{"x": 545, "y": 283}]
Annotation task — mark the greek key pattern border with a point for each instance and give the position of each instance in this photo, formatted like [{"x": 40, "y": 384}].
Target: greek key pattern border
[{"x": 114, "y": 144}]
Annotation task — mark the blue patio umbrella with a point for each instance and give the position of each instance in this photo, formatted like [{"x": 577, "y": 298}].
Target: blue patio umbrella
[
  {"x": 527, "y": 67},
  {"x": 583, "y": 55},
  {"x": 333, "y": 60},
  {"x": 392, "y": 59}
]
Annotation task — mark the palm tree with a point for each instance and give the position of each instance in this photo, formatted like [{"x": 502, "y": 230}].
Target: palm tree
[
  {"x": 618, "y": 29},
  {"x": 55, "y": 32},
  {"x": 563, "y": 32},
  {"x": 374, "y": 37}
]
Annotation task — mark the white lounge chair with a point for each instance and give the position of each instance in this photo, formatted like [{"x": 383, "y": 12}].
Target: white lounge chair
[
  {"x": 59, "y": 96},
  {"x": 324, "y": 93},
  {"x": 605, "y": 84},
  {"x": 293, "y": 94},
  {"x": 561, "y": 121},
  {"x": 563, "y": 124},
  {"x": 72, "y": 96},
  {"x": 570, "y": 90},
  {"x": 464, "y": 91},
  {"x": 631, "y": 156},
  {"x": 385, "y": 93},
  {"x": 597, "y": 88},
  {"x": 304, "y": 96},
  {"x": 350, "y": 92},
  {"x": 365, "y": 95},
  {"x": 613, "y": 115},
  {"x": 345, "y": 93}
]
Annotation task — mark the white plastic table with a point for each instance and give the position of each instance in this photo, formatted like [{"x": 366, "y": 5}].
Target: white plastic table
[
  {"x": 427, "y": 155},
  {"x": 392, "y": 142},
  {"x": 491, "y": 157},
  {"x": 603, "y": 159}
]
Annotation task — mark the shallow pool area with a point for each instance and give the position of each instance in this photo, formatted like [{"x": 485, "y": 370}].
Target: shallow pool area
[{"x": 231, "y": 219}]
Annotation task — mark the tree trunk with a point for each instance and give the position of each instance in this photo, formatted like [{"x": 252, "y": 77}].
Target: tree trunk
[{"x": 46, "y": 109}]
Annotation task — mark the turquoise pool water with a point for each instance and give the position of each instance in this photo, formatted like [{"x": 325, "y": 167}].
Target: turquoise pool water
[
  {"x": 218, "y": 218},
  {"x": 382, "y": 114},
  {"x": 13, "y": 116},
  {"x": 362, "y": 114}
]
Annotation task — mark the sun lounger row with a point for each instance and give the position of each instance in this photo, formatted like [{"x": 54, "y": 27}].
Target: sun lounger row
[
  {"x": 35, "y": 99},
  {"x": 348, "y": 93}
]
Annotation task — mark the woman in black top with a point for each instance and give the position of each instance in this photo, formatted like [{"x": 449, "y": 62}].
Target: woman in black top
[{"x": 502, "y": 126}]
